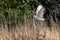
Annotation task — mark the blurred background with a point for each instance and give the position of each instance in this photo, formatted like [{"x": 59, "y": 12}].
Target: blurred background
[
  {"x": 18, "y": 12},
  {"x": 16, "y": 20}
]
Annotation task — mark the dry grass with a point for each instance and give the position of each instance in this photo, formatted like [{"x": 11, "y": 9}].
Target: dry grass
[{"x": 29, "y": 33}]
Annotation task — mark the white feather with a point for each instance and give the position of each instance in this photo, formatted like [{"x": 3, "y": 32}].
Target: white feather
[{"x": 39, "y": 13}]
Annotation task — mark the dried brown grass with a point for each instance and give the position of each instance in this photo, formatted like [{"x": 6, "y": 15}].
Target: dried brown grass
[{"x": 29, "y": 33}]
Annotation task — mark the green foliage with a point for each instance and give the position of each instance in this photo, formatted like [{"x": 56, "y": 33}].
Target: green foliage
[
  {"x": 14, "y": 10},
  {"x": 19, "y": 10}
]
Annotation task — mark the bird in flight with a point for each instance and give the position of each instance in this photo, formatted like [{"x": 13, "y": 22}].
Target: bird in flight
[{"x": 39, "y": 13}]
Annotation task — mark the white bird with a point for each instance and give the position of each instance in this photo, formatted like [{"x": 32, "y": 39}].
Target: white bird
[{"x": 39, "y": 13}]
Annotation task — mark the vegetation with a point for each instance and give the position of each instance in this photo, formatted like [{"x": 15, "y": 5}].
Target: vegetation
[
  {"x": 18, "y": 10},
  {"x": 14, "y": 13},
  {"x": 27, "y": 33}
]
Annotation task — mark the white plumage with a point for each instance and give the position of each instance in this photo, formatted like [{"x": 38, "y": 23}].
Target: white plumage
[{"x": 39, "y": 13}]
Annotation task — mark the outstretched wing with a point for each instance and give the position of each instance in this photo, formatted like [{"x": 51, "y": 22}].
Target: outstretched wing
[
  {"x": 40, "y": 12},
  {"x": 38, "y": 9}
]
